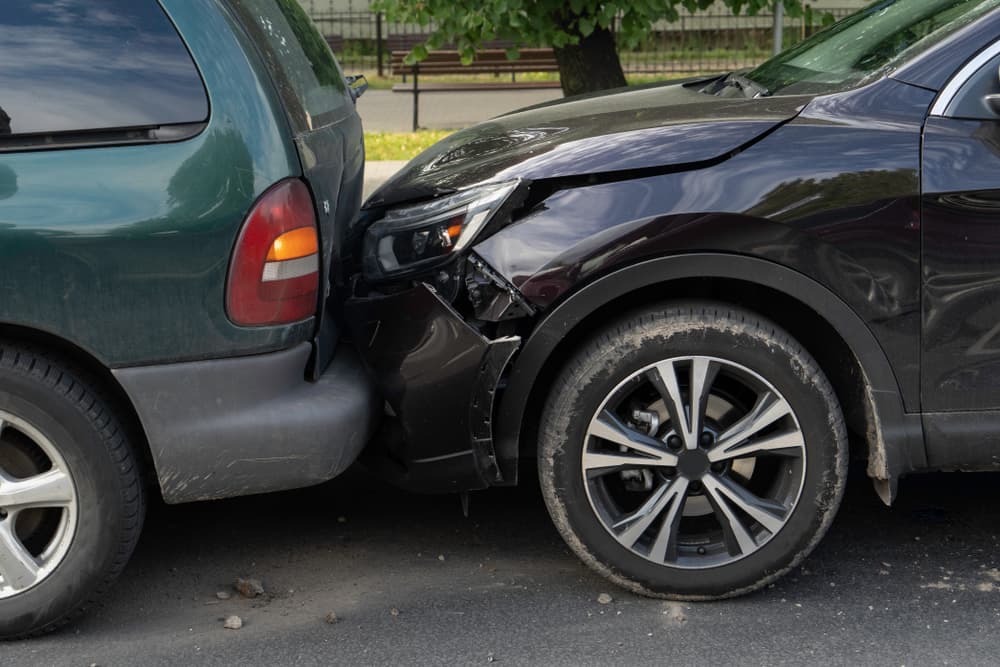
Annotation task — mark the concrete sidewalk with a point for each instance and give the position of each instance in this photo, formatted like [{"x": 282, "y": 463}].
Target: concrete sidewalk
[{"x": 386, "y": 111}]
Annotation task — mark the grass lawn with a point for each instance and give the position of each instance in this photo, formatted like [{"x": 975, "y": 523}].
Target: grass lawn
[{"x": 400, "y": 145}]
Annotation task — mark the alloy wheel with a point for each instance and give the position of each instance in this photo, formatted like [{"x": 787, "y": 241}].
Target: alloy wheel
[
  {"x": 38, "y": 506},
  {"x": 694, "y": 462}
]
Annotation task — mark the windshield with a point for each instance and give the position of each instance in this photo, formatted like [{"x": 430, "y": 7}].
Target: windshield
[{"x": 866, "y": 44}]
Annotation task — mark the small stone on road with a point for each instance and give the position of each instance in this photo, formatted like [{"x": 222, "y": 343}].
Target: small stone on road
[{"x": 248, "y": 588}]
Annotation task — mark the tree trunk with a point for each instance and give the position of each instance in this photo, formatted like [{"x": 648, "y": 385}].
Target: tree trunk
[{"x": 591, "y": 65}]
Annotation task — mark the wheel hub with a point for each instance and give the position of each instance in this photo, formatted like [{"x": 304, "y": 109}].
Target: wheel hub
[{"x": 693, "y": 463}]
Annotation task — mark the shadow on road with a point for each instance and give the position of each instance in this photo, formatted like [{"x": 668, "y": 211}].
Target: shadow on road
[{"x": 898, "y": 585}]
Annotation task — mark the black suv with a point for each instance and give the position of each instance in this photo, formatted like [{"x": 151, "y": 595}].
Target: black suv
[{"x": 683, "y": 299}]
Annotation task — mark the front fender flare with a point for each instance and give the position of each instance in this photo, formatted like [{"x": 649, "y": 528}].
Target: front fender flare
[{"x": 895, "y": 437}]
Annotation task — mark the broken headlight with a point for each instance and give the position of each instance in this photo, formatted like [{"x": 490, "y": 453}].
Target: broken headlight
[{"x": 422, "y": 236}]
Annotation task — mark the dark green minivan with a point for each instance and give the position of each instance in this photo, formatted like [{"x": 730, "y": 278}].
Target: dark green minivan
[{"x": 176, "y": 177}]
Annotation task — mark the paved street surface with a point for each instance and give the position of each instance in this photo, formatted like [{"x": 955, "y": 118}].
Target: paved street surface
[
  {"x": 386, "y": 111},
  {"x": 915, "y": 585}
]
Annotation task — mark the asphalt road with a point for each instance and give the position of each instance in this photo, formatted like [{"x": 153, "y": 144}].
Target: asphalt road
[
  {"x": 386, "y": 111},
  {"x": 911, "y": 585}
]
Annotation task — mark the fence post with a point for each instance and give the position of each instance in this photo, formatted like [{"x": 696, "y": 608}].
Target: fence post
[
  {"x": 416, "y": 98},
  {"x": 779, "y": 25},
  {"x": 378, "y": 40}
]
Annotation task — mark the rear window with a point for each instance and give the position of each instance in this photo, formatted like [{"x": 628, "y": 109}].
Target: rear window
[
  {"x": 299, "y": 60},
  {"x": 85, "y": 65}
]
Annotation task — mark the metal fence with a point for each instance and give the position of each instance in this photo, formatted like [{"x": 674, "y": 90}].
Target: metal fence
[{"x": 697, "y": 42}]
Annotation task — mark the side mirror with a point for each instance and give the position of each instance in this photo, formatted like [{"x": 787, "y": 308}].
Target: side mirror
[{"x": 357, "y": 84}]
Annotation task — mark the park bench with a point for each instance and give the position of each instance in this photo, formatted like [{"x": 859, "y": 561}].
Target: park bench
[
  {"x": 336, "y": 43},
  {"x": 488, "y": 61}
]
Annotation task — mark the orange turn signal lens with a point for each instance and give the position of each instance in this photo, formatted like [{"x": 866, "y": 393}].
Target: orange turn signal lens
[
  {"x": 454, "y": 231},
  {"x": 300, "y": 242}
]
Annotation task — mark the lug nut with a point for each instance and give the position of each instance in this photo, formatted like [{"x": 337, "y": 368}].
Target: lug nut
[
  {"x": 706, "y": 439},
  {"x": 674, "y": 442},
  {"x": 695, "y": 486},
  {"x": 3, "y": 514},
  {"x": 718, "y": 467}
]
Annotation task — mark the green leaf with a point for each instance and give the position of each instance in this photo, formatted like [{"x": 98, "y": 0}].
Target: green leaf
[
  {"x": 557, "y": 23},
  {"x": 418, "y": 53}
]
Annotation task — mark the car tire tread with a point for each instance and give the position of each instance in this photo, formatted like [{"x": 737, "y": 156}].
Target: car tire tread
[
  {"x": 66, "y": 379},
  {"x": 557, "y": 414}
]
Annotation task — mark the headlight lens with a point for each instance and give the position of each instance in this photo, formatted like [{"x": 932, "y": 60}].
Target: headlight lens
[{"x": 421, "y": 236}]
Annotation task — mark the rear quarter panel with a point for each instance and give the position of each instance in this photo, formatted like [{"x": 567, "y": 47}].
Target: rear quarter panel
[{"x": 124, "y": 251}]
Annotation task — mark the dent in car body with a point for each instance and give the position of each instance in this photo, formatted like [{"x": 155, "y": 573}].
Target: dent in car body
[
  {"x": 833, "y": 194},
  {"x": 663, "y": 125}
]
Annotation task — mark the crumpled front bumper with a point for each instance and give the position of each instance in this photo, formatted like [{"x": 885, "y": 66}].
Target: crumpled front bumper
[{"x": 439, "y": 378}]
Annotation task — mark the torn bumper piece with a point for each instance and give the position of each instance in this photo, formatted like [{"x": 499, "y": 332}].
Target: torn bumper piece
[{"x": 439, "y": 377}]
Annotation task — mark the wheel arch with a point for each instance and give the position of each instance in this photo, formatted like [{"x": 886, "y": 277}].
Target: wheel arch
[
  {"x": 823, "y": 323},
  {"x": 104, "y": 382}
]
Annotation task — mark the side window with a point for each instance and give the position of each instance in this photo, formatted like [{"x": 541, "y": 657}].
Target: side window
[
  {"x": 78, "y": 66},
  {"x": 973, "y": 99}
]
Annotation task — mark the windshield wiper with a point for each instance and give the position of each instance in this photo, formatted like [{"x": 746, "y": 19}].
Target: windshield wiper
[{"x": 750, "y": 88}]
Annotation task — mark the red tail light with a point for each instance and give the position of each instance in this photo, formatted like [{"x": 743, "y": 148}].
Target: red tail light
[{"x": 274, "y": 275}]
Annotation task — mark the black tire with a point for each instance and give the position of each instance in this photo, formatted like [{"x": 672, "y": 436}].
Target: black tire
[
  {"x": 745, "y": 347},
  {"x": 52, "y": 402}
]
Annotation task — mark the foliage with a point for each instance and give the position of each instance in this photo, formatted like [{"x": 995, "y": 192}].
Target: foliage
[{"x": 556, "y": 23}]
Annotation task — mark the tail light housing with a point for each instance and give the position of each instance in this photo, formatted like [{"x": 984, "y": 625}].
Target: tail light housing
[{"x": 274, "y": 273}]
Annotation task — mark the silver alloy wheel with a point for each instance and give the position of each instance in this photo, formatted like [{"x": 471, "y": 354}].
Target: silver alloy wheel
[
  {"x": 694, "y": 462},
  {"x": 38, "y": 506}
]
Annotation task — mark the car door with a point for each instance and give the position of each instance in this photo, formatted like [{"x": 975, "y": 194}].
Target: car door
[{"x": 960, "y": 221}]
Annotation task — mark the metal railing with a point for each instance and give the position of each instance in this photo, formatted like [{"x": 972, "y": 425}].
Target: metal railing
[{"x": 695, "y": 43}]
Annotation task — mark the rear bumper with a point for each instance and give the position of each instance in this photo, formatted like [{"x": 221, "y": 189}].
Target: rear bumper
[
  {"x": 231, "y": 427},
  {"x": 439, "y": 376}
]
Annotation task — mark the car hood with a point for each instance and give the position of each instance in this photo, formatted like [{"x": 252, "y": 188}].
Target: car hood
[{"x": 636, "y": 128}]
